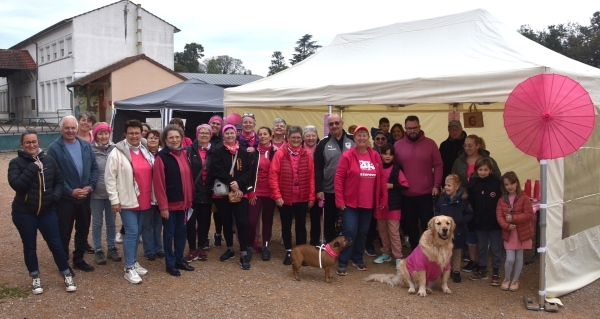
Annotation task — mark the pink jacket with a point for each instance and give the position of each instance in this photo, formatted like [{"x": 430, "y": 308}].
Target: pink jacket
[
  {"x": 417, "y": 160},
  {"x": 347, "y": 177}
]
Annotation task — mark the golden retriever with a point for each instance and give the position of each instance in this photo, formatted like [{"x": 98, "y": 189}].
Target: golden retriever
[{"x": 427, "y": 262}]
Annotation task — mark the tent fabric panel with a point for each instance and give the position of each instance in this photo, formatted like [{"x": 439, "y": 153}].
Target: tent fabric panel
[{"x": 573, "y": 234}]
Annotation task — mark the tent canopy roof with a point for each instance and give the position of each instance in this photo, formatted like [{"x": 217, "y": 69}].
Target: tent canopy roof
[
  {"x": 190, "y": 95},
  {"x": 459, "y": 58}
]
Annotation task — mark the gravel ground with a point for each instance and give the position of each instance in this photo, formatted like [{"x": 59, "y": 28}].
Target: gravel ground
[{"x": 222, "y": 290}]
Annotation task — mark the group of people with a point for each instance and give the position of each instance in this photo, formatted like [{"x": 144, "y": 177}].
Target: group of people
[{"x": 165, "y": 187}]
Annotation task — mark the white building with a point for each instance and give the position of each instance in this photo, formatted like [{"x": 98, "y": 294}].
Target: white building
[{"x": 75, "y": 47}]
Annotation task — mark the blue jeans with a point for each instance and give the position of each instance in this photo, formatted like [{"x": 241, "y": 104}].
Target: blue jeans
[
  {"x": 46, "y": 222},
  {"x": 101, "y": 211},
  {"x": 152, "y": 232},
  {"x": 132, "y": 221},
  {"x": 174, "y": 234},
  {"x": 494, "y": 238},
  {"x": 356, "y": 223}
]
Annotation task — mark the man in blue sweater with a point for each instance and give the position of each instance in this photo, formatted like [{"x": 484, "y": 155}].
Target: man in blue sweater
[{"x": 80, "y": 172}]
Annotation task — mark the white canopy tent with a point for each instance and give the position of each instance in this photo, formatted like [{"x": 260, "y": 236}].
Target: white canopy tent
[{"x": 423, "y": 68}]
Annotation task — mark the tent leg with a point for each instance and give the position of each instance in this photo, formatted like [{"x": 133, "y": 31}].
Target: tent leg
[
  {"x": 330, "y": 109},
  {"x": 542, "y": 249}
]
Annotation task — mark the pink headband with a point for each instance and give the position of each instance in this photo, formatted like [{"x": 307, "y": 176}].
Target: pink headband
[
  {"x": 217, "y": 118},
  {"x": 99, "y": 127},
  {"x": 228, "y": 126},
  {"x": 206, "y": 126}
]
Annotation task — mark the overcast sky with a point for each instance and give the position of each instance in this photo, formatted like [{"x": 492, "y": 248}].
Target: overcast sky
[{"x": 252, "y": 30}]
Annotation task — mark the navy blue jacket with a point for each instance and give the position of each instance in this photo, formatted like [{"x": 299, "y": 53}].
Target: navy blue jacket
[
  {"x": 460, "y": 210},
  {"x": 484, "y": 194},
  {"x": 89, "y": 176}
]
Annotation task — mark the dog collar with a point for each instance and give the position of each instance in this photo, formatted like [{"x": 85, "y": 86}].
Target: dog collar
[{"x": 330, "y": 251}]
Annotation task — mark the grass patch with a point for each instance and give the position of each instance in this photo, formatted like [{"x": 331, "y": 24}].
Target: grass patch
[{"x": 12, "y": 292}]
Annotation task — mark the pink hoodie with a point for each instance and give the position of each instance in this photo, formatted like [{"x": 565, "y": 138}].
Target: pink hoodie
[{"x": 421, "y": 163}]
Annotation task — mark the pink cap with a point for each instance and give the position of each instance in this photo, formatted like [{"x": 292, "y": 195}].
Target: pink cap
[
  {"x": 215, "y": 118},
  {"x": 201, "y": 126},
  {"x": 228, "y": 126},
  {"x": 361, "y": 127},
  {"x": 101, "y": 126}
]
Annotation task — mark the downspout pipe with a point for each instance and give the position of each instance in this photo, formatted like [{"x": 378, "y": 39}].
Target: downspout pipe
[{"x": 37, "y": 108}]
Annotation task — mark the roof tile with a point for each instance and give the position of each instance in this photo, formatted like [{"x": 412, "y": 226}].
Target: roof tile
[{"x": 16, "y": 59}]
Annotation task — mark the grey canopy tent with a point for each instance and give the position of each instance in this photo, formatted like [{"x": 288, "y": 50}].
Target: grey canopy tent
[{"x": 193, "y": 100}]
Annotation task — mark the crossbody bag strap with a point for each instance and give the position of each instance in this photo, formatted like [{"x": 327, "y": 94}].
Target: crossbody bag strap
[
  {"x": 201, "y": 170},
  {"x": 233, "y": 165}
]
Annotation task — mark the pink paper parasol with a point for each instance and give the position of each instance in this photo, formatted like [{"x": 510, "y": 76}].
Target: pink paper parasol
[{"x": 549, "y": 116}]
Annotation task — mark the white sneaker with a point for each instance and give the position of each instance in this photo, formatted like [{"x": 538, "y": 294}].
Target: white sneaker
[
  {"x": 132, "y": 276},
  {"x": 69, "y": 284},
  {"x": 139, "y": 269},
  {"x": 141, "y": 241},
  {"x": 36, "y": 286},
  {"x": 119, "y": 238}
]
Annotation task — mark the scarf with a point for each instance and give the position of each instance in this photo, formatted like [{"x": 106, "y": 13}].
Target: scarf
[
  {"x": 310, "y": 149},
  {"x": 263, "y": 149},
  {"x": 204, "y": 148},
  {"x": 249, "y": 137},
  {"x": 232, "y": 149},
  {"x": 175, "y": 149},
  {"x": 386, "y": 166}
]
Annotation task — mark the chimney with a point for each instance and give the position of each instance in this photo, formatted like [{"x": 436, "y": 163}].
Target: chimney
[{"x": 139, "y": 29}]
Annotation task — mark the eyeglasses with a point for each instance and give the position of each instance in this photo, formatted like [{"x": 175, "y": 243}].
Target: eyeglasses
[
  {"x": 380, "y": 138},
  {"x": 29, "y": 143},
  {"x": 412, "y": 129},
  {"x": 295, "y": 137},
  {"x": 203, "y": 133},
  {"x": 334, "y": 123}
]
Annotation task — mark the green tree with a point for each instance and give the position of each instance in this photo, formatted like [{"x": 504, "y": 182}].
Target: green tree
[
  {"x": 189, "y": 58},
  {"x": 224, "y": 64},
  {"x": 581, "y": 43},
  {"x": 277, "y": 63},
  {"x": 305, "y": 48},
  {"x": 180, "y": 68}
]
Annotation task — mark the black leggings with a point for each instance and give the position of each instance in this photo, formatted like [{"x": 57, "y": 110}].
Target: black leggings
[
  {"x": 415, "y": 209},
  {"x": 239, "y": 212},
  {"x": 287, "y": 213},
  {"x": 201, "y": 217}
]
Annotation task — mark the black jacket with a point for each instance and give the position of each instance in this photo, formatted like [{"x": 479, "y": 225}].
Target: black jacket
[
  {"x": 202, "y": 188},
  {"x": 36, "y": 191},
  {"x": 484, "y": 194},
  {"x": 460, "y": 210},
  {"x": 395, "y": 193},
  {"x": 449, "y": 150},
  {"x": 242, "y": 172}
]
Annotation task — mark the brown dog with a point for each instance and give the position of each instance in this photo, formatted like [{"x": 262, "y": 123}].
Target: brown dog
[
  {"x": 430, "y": 261},
  {"x": 310, "y": 254}
]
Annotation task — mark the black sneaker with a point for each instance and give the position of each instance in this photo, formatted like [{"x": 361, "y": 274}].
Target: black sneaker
[
  {"x": 82, "y": 265},
  {"x": 266, "y": 253},
  {"x": 227, "y": 255},
  {"x": 217, "y": 238},
  {"x": 89, "y": 250},
  {"x": 100, "y": 257},
  {"x": 250, "y": 251},
  {"x": 245, "y": 262},
  {"x": 370, "y": 250},
  {"x": 113, "y": 254},
  {"x": 456, "y": 276},
  {"x": 150, "y": 257},
  {"x": 288, "y": 258},
  {"x": 160, "y": 254},
  {"x": 471, "y": 265},
  {"x": 479, "y": 275},
  {"x": 206, "y": 245}
]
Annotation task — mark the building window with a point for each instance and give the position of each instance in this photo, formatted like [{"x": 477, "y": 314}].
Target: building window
[
  {"x": 62, "y": 48},
  {"x": 48, "y": 97},
  {"x": 54, "y": 54},
  {"x": 42, "y": 55},
  {"x": 42, "y": 99},
  {"x": 48, "y": 53},
  {"x": 69, "y": 46}
]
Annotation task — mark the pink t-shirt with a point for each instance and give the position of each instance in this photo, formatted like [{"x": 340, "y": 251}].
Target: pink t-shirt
[
  {"x": 418, "y": 261},
  {"x": 203, "y": 157},
  {"x": 470, "y": 170},
  {"x": 262, "y": 181},
  {"x": 279, "y": 144},
  {"x": 368, "y": 174},
  {"x": 296, "y": 179},
  {"x": 142, "y": 172}
]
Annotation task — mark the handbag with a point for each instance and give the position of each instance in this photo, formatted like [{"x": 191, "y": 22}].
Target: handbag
[
  {"x": 233, "y": 198},
  {"x": 220, "y": 188},
  {"x": 473, "y": 118}
]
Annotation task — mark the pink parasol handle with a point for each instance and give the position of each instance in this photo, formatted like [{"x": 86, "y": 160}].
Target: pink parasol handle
[{"x": 321, "y": 203}]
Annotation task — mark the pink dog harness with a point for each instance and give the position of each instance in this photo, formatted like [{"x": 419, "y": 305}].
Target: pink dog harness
[{"x": 328, "y": 249}]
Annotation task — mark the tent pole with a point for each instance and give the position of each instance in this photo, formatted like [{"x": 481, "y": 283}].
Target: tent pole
[
  {"x": 330, "y": 107},
  {"x": 542, "y": 249}
]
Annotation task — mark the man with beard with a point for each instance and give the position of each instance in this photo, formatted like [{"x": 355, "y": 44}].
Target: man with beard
[
  {"x": 423, "y": 167},
  {"x": 450, "y": 147}
]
